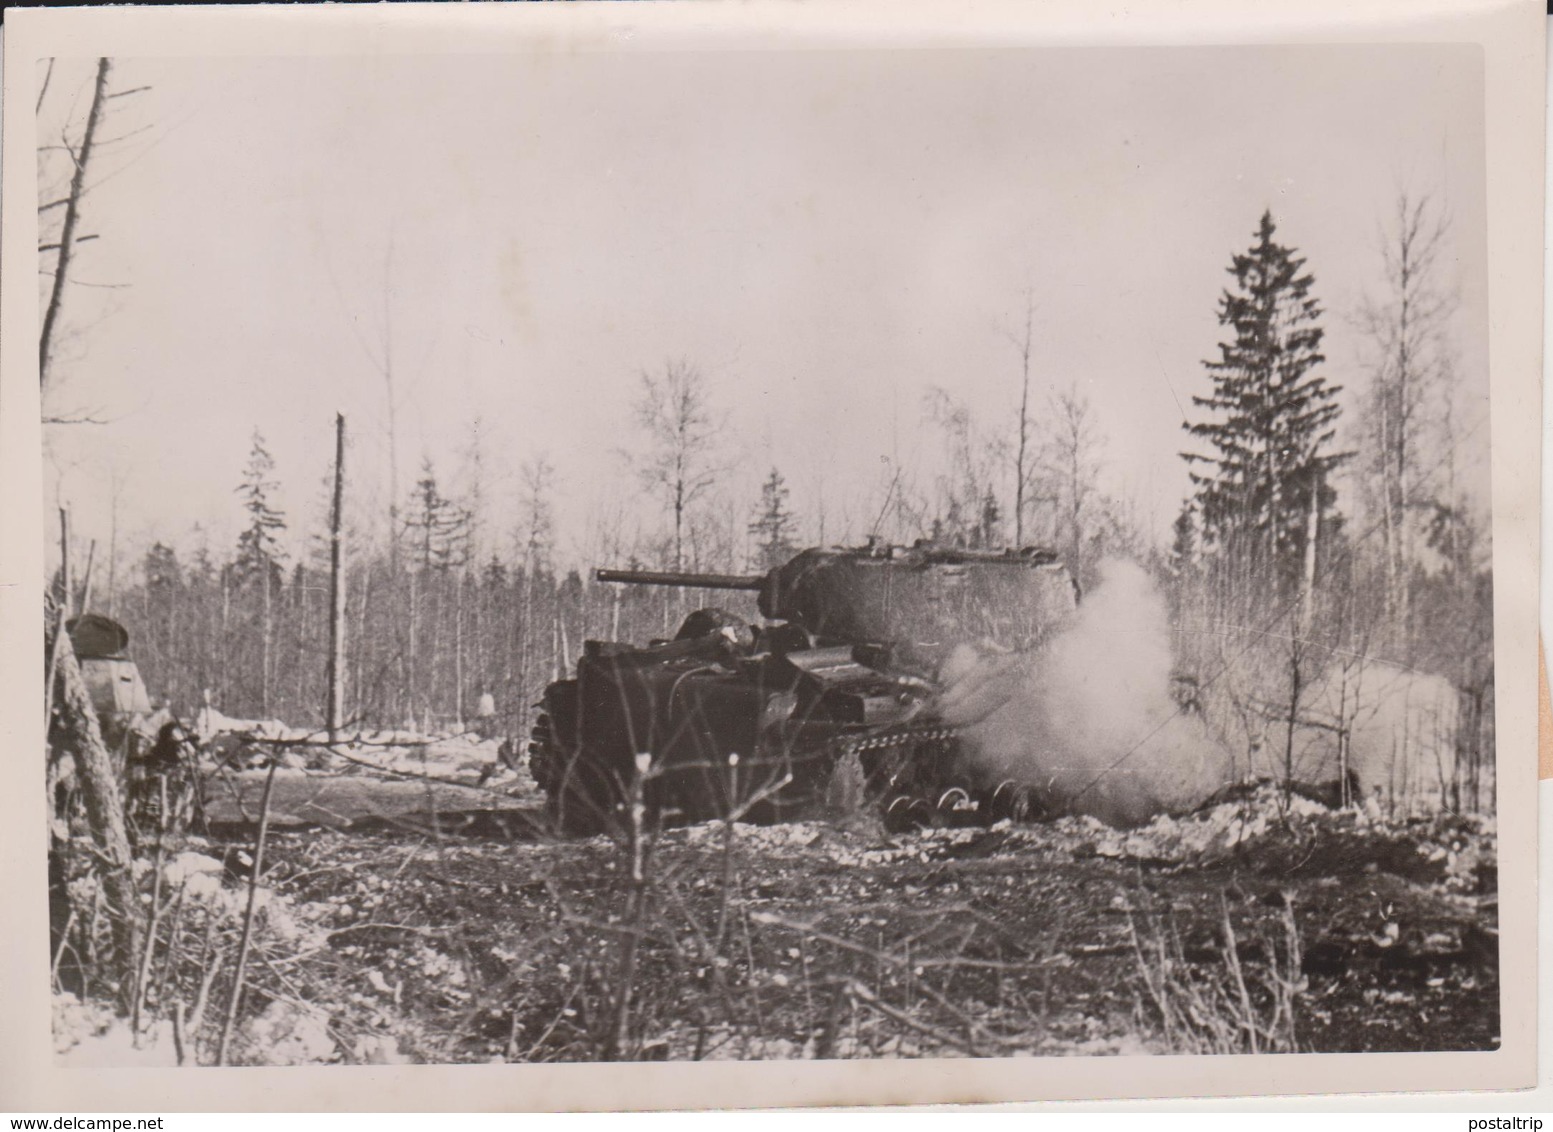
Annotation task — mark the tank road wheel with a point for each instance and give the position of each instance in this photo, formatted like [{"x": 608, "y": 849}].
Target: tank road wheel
[
  {"x": 953, "y": 804},
  {"x": 905, "y": 813},
  {"x": 1008, "y": 800}
]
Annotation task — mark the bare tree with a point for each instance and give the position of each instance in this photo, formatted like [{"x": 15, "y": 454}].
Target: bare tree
[
  {"x": 675, "y": 411},
  {"x": 472, "y": 487},
  {"x": 1022, "y": 455},
  {"x": 535, "y": 534},
  {"x": 80, "y": 157},
  {"x": 966, "y": 509},
  {"x": 63, "y": 197},
  {"x": 1071, "y": 458},
  {"x": 1410, "y": 366}
]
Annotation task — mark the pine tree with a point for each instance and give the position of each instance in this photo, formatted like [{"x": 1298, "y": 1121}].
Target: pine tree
[
  {"x": 773, "y": 524},
  {"x": 1272, "y": 418}
]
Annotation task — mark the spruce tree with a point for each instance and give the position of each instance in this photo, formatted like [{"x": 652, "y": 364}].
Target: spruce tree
[
  {"x": 1271, "y": 419},
  {"x": 440, "y": 526},
  {"x": 259, "y": 553},
  {"x": 773, "y": 524}
]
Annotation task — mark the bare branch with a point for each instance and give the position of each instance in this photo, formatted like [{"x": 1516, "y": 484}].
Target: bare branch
[
  {"x": 124, "y": 137},
  {"x": 59, "y": 246}
]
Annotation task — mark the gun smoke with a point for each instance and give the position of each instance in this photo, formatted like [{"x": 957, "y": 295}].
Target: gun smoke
[{"x": 1088, "y": 722}]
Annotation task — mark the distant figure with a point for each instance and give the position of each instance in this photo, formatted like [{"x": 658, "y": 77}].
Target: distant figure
[{"x": 485, "y": 716}]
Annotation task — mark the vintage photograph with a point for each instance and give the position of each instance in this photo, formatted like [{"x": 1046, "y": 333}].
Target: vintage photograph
[{"x": 644, "y": 555}]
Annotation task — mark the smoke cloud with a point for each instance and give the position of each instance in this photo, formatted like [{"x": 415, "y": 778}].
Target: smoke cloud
[{"x": 1088, "y": 722}]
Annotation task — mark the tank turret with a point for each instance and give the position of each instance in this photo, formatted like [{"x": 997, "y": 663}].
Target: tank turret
[
  {"x": 833, "y": 695},
  {"x": 924, "y": 593}
]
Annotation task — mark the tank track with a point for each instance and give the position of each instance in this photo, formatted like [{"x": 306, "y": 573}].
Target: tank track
[
  {"x": 900, "y": 780},
  {"x": 909, "y": 795}
]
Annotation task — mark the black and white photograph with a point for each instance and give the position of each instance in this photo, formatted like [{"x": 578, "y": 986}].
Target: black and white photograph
[{"x": 632, "y": 553}]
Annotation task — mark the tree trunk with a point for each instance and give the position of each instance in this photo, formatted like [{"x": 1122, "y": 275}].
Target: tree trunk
[
  {"x": 1312, "y": 532},
  {"x": 1024, "y": 434},
  {"x": 410, "y": 658},
  {"x": 1295, "y": 688},
  {"x": 264, "y": 647},
  {"x": 458, "y": 648},
  {"x": 77, "y": 730},
  {"x": 223, "y": 674}
]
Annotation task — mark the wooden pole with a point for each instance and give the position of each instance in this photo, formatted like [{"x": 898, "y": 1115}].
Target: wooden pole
[
  {"x": 86, "y": 580},
  {"x": 67, "y": 583},
  {"x": 337, "y": 587},
  {"x": 113, "y": 551}
]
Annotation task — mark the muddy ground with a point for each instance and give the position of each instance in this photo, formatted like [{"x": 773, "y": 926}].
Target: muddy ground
[{"x": 1264, "y": 922}]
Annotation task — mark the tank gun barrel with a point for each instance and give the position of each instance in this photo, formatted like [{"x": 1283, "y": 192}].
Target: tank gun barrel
[{"x": 682, "y": 578}]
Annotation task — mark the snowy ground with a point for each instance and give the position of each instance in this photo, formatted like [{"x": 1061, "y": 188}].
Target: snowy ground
[{"x": 1348, "y": 931}]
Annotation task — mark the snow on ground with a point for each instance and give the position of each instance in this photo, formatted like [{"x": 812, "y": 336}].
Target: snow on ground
[{"x": 1453, "y": 849}]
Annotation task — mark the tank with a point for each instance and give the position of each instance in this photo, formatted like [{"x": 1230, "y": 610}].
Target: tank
[
  {"x": 111, "y": 675},
  {"x": 829, "y": 703}
]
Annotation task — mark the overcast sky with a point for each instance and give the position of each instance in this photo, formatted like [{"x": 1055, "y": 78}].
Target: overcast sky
[{"x": 825, "y": 234}]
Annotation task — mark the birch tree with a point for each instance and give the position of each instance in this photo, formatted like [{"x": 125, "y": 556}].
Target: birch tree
[
  {"x": 1404, "y": 419},
  {"x": 674, "y": 410},
  {"x": 1071, "y": 461}
]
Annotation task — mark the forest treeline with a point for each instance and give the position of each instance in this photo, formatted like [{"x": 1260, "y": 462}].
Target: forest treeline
[{"x": 1321, "y": 524}]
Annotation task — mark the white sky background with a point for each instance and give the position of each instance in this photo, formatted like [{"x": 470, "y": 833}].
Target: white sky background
[{"x": 825, "y": 234}]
